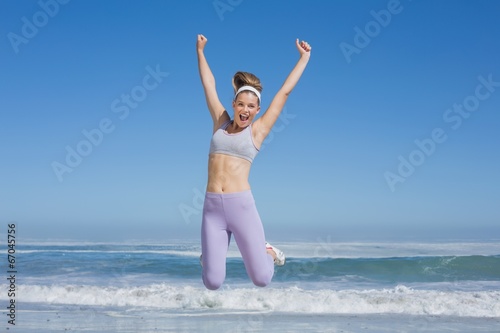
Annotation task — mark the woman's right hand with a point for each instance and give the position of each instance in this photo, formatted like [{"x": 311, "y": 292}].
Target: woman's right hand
[{"x": 201, "y": 42}]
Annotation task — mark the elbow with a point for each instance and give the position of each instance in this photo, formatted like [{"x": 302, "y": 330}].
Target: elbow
[{"x": 285, "y": 92}]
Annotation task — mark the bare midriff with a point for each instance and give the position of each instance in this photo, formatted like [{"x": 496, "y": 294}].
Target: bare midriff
[{"x": 227, "y": 174}]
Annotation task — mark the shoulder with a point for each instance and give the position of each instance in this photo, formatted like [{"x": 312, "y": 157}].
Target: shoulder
[
  {"x": 223, "y": 120},
  {"x": 258, "y": 132}
]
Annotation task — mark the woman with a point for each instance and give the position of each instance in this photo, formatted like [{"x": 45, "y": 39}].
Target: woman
[{"x": 229, "y": 207}]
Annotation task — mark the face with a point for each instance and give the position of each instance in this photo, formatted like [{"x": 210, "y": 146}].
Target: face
[{"x": 246, "y": 107}]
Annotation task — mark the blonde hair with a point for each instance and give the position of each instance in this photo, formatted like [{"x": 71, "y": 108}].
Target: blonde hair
[{"x": 241, "y": 79}]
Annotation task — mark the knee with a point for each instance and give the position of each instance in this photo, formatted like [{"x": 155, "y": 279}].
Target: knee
[
  {"x": 262, "y": 279},
  {"x": 213, "y": 282},
  {"x": 261, "y": 283},
  {"x": 211, "y": 285}
]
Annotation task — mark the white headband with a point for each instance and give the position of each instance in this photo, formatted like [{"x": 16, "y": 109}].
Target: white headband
[{"x": 248, "y": 88}]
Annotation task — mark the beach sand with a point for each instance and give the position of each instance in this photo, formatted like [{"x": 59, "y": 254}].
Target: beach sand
[{"x": 101, "y": 320}]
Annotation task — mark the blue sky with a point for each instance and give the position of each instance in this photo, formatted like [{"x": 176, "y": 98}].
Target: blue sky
[{"x": 392, "y": 131}]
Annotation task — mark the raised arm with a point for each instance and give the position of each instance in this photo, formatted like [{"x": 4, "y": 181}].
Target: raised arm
[
  {"x": 208, "y": 81},
  {"x": 264, "y": 124}
]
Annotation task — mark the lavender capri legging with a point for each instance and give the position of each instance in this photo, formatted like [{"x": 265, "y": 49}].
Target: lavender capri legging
[{"x": 233, "y": 213}]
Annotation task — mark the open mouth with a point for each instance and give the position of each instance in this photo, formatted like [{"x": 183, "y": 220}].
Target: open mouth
[{"x": 243, "y": 118}]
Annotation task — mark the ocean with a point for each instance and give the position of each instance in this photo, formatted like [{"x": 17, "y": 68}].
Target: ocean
[{"x": 325, "y": 286}]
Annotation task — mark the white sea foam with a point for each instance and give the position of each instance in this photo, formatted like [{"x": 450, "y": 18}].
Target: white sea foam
[
  {"x": 400, "y": 300},
  {"x": 184, "y": 253},
  {"x": 327, "y": 248},
  {"x": 322, "y": 248}
]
